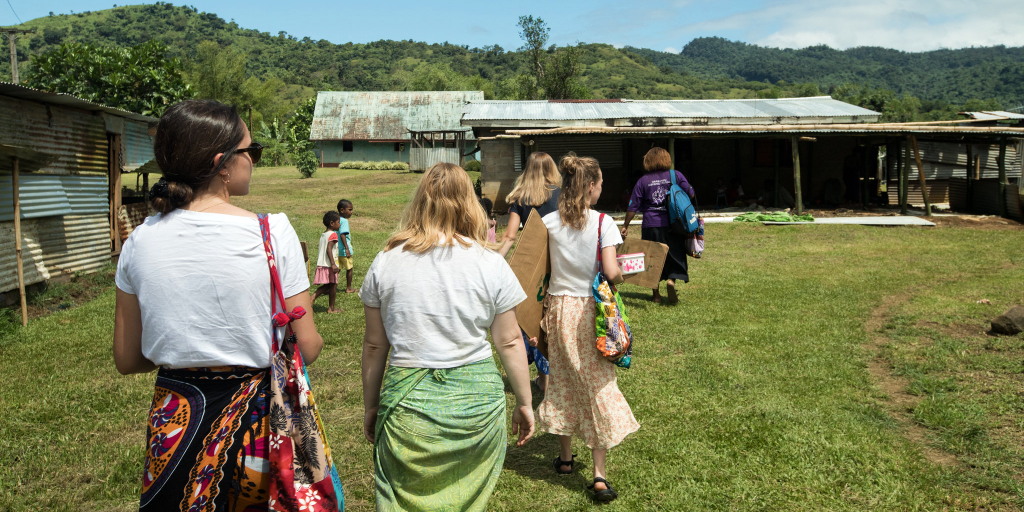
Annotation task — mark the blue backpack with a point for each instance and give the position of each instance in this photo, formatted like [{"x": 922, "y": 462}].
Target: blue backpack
[{"x": 682, "y": 216}]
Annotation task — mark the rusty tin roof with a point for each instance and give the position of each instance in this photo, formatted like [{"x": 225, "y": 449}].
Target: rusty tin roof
[{"x": 387, "y": 115}]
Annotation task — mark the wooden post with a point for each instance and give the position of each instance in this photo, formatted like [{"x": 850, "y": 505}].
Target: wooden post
[
  {"x": 115, "y": 192},
  {"x": 672, "y": 151},
  {"x": 17, "y": 244},
  {"x": 1002, "y": 176},
  {"x": 796, "y": 177},
  {"x": 145, "y": 187},
  {"x": 970, "y": 174},
  {"x": 14, "y": 65},
  {"x": 904, "y": 173},
  {"x": 920, "y": 176},
  {"x": 775, "y": 151},
  {"x": 864, "y": 185}
]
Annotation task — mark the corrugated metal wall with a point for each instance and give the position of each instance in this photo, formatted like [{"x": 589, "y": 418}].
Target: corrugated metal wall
[
  {"x": 66, "y": 226},
  {"x": 944, "y": 160},
  {"x": 420, "y": 159},
  {"x": 984, "y": 198},
  {"x": 938, "y": 191}
]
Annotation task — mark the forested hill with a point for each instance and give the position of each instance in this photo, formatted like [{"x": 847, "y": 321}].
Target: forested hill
[
  {"x": 948, "y": 75},
  {"x": 707, "y": 68}
]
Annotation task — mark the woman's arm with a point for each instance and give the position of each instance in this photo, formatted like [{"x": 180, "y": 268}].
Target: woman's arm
[
  {"x": 509, "y": 345},
  {"x": 308, "y": 340},
  {"x": 375, "y": 357},
  {"x": 625, "y": 224},
  {"x": 611, "y": 264},
  {"x": 509, "y": 237},
  {"x": 128, "y": 356}
]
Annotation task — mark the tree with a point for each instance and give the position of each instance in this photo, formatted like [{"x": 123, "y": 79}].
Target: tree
[
  {"x": 534, "y": 33},
  {"x": 138, "y": 78},
  {"x": 219, "y": 74},
  {"x": 299, "y": 146},
  {"x": 275, "y": 147},
  {"x": 562, "y": 75}
]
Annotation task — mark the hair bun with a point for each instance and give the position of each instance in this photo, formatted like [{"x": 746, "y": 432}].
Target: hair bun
[{"x": 168, "y": 195}]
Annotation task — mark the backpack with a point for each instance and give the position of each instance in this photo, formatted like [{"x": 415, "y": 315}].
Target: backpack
[
  {"x": 682, "y": 216},
  {"x": 614, "y": 337}
]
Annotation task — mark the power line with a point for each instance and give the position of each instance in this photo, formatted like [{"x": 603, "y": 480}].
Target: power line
[{"x": 15, "y": 12}]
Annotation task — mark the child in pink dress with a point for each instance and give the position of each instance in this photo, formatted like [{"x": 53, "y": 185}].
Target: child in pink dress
[{"x": 326, "y": 265}]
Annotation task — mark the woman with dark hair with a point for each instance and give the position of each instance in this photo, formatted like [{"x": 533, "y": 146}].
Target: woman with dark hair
[
  {"x": 193, "y": 300},
  {"x": 650, "y": 196}
]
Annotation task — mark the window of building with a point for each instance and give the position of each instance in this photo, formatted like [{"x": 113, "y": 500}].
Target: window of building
[
  {"x": 346, "y": 145},
  {"x": 399, "y": 146},
  {"x": 449, "y": 143}
]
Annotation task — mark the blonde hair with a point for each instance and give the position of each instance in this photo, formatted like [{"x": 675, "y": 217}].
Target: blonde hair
[
  {"x": 578, "y": 172},
  {"x": 444, "y": 210},
  {"x": 538, "y": 181}
]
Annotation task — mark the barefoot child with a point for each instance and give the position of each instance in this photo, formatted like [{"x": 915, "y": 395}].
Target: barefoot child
[
  {"x": 345, "y": 243},
  {"x": 326, "y": 269}
]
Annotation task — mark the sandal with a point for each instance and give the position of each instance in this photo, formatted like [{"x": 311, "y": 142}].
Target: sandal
[
  {"x": 604, "y": 495},
  {"x": 558, "y": 463}
]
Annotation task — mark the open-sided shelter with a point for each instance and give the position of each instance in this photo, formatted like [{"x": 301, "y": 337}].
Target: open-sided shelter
[
  {"x": 418, "y": 127},
  {"x": 70, "y": 154},
  {"x": 749, "y": 142}
]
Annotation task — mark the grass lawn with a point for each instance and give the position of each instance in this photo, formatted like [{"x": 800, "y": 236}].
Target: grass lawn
[{"x": 807, "y": 368}]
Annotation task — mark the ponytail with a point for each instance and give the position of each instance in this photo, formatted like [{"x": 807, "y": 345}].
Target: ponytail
[{"x": 578, "y": 172}]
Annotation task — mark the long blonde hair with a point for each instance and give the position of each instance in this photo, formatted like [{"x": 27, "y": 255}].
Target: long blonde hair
[
  {"x": 444, "y": 210},
  {"x": 578, "y": 172},
  {"x": 534, "y": 186}
]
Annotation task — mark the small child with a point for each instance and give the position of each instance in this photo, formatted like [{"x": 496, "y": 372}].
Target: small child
[
  {"x": 326, "y": 268},
  {"x": 345, "y": 243},
  {"x": 492, "y": 225}
]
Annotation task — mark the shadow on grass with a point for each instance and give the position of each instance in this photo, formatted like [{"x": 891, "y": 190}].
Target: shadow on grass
[{"x": 534, "y": 460}]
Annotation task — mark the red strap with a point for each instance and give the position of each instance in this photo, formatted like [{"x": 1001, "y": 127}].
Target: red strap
[{"x": 281, "y": 317}]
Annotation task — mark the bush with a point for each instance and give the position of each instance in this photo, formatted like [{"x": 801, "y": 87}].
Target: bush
[
  {"x": 307, "y": 162},
  {"x": 382, "y": 165},
  {"x": 473, "y": 166}
]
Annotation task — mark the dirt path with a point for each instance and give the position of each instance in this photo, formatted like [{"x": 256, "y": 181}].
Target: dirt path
[{"x": 900, "y": 403}]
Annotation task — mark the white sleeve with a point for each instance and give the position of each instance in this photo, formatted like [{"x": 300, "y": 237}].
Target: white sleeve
[
  {"x": 508, "y": 292},
  {"x": 288, "y": 255},
  {"x": 368, "y": 292},
  {"x": 610, "y": 232},
  {"x": 122, "y": 278}
]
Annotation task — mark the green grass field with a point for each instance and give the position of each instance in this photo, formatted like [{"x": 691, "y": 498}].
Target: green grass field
[{"x": 806, "y": 368}]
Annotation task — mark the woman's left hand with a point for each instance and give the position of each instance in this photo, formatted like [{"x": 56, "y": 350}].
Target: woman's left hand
[
  {"x": 522, "y": 423},
  {"x": 370, "y": 423}
]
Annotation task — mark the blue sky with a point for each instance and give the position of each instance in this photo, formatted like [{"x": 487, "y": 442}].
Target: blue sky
[{"x": 912, "y": 25}]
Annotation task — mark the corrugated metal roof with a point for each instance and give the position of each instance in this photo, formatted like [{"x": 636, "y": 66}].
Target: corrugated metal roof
[
  {"x": 657, "y": 112},
  {"x": 136, "y": 146},
  {"x": 387, "y": 115},
  {"x": 994, "y": 115},
  {"x": 788, "y": 129},
  {"x": 67, "y": 100}
]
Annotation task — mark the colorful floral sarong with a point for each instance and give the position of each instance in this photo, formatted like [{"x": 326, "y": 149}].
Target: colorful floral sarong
[
  {"x": 582, "y": 397},
  {"x": 207, "y": 441},
  {"x": 440, "y": 438}
]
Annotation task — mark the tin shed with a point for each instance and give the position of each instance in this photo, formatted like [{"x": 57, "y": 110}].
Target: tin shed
[{"x": 69, "y": 197}]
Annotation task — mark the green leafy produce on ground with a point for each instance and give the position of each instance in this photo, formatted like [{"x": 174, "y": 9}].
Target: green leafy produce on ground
[{"x": 773, "y": 217}]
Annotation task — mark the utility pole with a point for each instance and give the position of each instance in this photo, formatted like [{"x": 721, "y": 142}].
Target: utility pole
[{"x": 11, "y": 37}]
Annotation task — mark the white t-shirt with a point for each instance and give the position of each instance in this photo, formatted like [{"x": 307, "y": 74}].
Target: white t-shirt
[
  {"x": 438, "y": 306},
  {"x": 203, "y": 285},
  {"x": 325, "y": 240},
  {"x": 574, "y": 253}
]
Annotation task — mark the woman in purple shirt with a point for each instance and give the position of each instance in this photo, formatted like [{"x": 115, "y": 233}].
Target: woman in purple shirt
[{"x": 650, "y": 196}]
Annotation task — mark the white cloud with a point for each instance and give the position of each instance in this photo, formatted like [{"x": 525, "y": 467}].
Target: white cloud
[
  {"x": 911, "y": 25},
  {"x": 670, "y": 50}
]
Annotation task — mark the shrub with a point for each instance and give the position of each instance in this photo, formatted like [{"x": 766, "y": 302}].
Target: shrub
[
  {"x": 382, "y": 165},
  {"x": 473, "y": 166},
  {"x": 307, "y": 162}
]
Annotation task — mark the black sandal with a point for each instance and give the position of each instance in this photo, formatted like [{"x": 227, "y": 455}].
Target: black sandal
[
  {"x": 604, "y": 495},
  {"x": 558, "y": 463}
]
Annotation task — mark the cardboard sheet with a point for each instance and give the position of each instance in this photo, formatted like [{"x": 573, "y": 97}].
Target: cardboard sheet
[
  {"x": 532, "y": 267},
  {"x": 654, "y": 261}
]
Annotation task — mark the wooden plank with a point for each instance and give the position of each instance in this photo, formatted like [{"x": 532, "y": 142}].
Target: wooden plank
[
  {"x": 920, "y": 176},
  {"x": 17, "y": 244}
]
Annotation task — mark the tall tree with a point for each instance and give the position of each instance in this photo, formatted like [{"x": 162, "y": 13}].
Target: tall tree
[
  {"x": 562, "y": 75},
  {"x": 534, "y": 33},
  {"x": 219, "y": 74},
  {"x": 139, "y": 78}
]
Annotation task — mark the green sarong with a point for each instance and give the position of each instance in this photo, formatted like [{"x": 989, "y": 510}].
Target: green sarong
[{"x": 440, "y": 437}]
